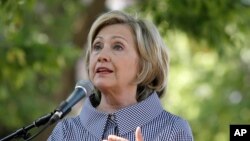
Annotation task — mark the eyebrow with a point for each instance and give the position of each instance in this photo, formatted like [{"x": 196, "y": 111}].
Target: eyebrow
[{"x": 113, "y": 37}]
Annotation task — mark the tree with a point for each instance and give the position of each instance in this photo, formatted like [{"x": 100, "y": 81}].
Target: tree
[
  {"x": 41, "y": 42},
  {"x": 210, "y": 67}
]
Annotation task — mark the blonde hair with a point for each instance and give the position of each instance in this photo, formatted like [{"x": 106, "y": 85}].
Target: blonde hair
[{"x": 153, "y": 54}]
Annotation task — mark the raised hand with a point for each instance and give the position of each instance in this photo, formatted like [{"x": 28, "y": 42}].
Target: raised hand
[{"x": 138, "y": 136}]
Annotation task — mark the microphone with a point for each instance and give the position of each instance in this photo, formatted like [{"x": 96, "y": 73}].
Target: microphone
[{"x": 83, "y": 88}]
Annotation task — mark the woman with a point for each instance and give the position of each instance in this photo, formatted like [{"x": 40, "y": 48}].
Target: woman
[{"x": 127, "y": 62}]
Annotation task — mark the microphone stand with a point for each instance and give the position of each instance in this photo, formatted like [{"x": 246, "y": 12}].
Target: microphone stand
[{"x": 23, "y": 132}]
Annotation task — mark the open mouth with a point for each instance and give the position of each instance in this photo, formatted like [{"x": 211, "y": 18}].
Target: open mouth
[{"x": 103, "y": 70}]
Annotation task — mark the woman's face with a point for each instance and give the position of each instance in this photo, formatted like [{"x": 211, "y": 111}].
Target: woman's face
[{"x": 114, "y": 59}]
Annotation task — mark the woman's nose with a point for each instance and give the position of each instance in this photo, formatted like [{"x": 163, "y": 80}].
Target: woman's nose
[{"x": 103, "y": 56}]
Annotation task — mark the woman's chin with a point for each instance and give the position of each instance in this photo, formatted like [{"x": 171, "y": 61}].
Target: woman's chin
[{"x": 102, "y": 85}]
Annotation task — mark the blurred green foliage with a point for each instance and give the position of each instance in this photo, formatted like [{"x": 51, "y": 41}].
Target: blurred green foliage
[
  {"x": 209, "y": 82},
  {"x": 35, "y": 48}
]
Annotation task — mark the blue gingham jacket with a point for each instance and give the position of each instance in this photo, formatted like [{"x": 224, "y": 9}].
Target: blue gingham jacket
[{"x": 92, "y": 125}]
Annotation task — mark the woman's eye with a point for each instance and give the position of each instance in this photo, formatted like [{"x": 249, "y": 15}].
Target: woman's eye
[
  {"x": 118, "y": 47},
  {"x": 97, "y": 47}
]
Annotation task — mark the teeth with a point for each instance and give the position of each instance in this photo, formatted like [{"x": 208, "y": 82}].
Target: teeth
[{"x": 102, "y": 69}]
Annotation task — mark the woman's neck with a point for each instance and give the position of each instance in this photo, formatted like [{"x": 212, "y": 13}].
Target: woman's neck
[{"x": 111, "y": 103}]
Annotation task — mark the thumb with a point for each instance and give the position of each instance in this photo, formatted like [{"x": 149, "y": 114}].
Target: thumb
[{"x": 138, "y": 134}]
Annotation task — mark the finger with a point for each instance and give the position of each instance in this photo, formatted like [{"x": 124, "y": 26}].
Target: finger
[
  {"x": 115, "y": 138},
  {"x": 138, "y": 134}
]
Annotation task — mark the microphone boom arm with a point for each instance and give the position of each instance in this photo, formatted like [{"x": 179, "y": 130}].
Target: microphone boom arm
[
  {"x": 23, "y": 132},
  {"x": 82, "y": 89}
]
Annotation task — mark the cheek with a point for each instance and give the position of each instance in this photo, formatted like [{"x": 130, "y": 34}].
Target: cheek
[
  {"x": 136, "y": 67},
  {"x": 91, "y": 68},
  {"x": 132, "y": 68},
  {"x": 135, "y": 62}
]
